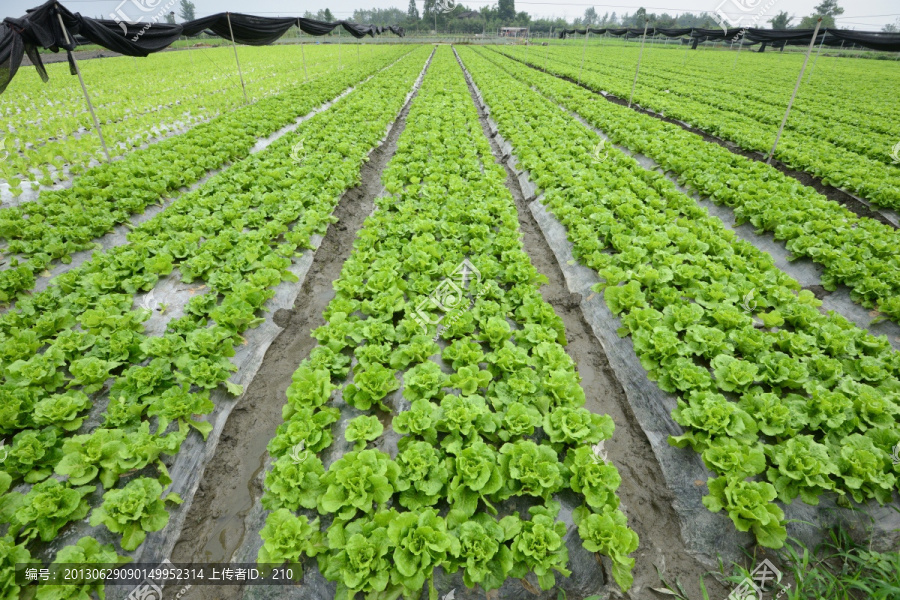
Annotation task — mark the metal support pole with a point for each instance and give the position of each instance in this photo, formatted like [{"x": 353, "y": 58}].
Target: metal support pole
[
  {"x": 234, "y": 47},
  {"x": 812, "y": 43},
  {"x": 190, "y": 50},
  {"x": 526, "y": 46},
  {"x": 818, "y": 52},
  {"x": 587, "y": 32},
  {"x": 687, "y": 47},
  {"x": 547, "y": 50},
  {"x": 738, "y": 50},
  {"x": 303, "y": 55},
  {"x": 84, "y": 88},
  {"x": 640, "y": 55}
]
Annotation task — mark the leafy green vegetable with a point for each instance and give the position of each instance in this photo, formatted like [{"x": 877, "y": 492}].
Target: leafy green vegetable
[
  {"x": 363, "y": 429},
  {"x": 287, "y": 538},
  {"x": 134, "y": 510},
  {"x": 749, "y": 505}
]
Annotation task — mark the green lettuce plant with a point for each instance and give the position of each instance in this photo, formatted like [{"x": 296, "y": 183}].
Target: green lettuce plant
[
  {"x": 363, "y": 429},
  {"x": 484, "y": 555},
  {"x": 421, "y": 543},
  {"x": 358, "y": 481},
  {"x": 85, "y": 552},
  {"x": 530, "y": 469},
  {"x": 539, "y": 547},
  {"x": 749, "y": 504},
  {"x": 594, "y": 478},
  {"x": 370, "y": 386},
  {"x": 423, "y": 475},
  {"x": 573, "y": 426},
  {"x": 308, "y": 426},
  {"x": 287, "y": 539},
  {"x": 476, "y": 476},
  {"x": 801, "y": 467},
  {"x": 361, "y": 555},
  {"x": 295, "y": 480},
  {"x": 134, "y": 510},
  {"x": 419, "y": 420},
  {"x": 44, "y": 510},
  {"x": 607, "y": 532}
]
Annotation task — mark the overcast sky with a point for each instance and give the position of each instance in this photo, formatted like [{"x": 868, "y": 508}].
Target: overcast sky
[{"x": 859, "y": 14}]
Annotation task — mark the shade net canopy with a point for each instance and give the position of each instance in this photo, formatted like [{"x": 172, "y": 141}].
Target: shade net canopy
[
  {"x": 874, "y": 40},
  {"x": 41, "y": 28}
]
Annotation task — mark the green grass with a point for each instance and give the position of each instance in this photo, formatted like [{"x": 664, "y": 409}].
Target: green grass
[{"x": 839, "y": 568}]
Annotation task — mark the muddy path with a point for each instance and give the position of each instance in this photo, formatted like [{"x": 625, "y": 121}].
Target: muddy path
[
  {"x": 645, "y": 497},
  {"x": 231, "y": 484}
]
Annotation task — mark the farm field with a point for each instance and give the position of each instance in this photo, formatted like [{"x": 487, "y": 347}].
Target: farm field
[
  {"x": 843, "y": 127},
  {"x": 437, "y": 321},
  {"x": 48, "y": 130}
]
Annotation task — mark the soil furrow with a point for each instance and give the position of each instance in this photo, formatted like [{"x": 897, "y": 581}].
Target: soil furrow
[
  {"x": 645, "y": 496},
  {"x": 214, "y": 528}
]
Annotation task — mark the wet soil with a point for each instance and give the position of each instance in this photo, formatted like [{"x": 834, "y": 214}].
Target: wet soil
[{"x": 645, "y": 497}]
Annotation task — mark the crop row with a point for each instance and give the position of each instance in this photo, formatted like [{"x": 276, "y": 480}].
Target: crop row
[
  {"x": 62, "y": 222},
  {"x": 438, "y": 327},
  {"x": 814, "y": 114},
  {"x": 77, "y": 345},
  {"x": 874, "y": 179},
  {"x": 860, "y": 253},
  {"x": 47, "y": 127},
  {"x": 780, "y": 399}
]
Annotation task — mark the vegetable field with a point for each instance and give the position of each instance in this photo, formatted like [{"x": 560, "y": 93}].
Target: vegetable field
[{"x": 444, "y": 322}]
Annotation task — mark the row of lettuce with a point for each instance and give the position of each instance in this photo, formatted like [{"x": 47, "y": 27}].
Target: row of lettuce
[
  {"x": 856, "y": 114},
  {"x": 91, "y": 405},
  {"x": 860, "y": 253},
  {"x": 780, "y": 399},
  {"x": 489, "y": 418},
  {"x": 838, "y": 153},
  {"x": 48, "y": 132},
  {"x": 41, "y": 233}
]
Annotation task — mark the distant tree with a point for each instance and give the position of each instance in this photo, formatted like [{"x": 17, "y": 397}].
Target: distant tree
[
  {"x": 613, "y": 20},
  {"x": 780, "y": 21},
  {"x": 892, "y": 27},
  {"x": 506, "y": 10},
  {"x": 412, "y": 13},
  {"x": 327, "y": 16},
  {"x": 639, "y": 16},
  {"x": 828, "y": 10},
  {"x": 590, "y": 16},
  {"x": 170, "y": 18},
  {"x": 605, "y": 18},
  {"x": 187, "y": 10}
]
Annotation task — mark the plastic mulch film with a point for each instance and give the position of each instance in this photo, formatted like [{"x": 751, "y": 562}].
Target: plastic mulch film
[{"x": 709, "y": 536}]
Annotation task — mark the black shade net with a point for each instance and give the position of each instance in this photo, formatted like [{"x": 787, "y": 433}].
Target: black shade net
[
  {"x": 40, "y": 28},
  {"x": 874, "y": 40}
]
